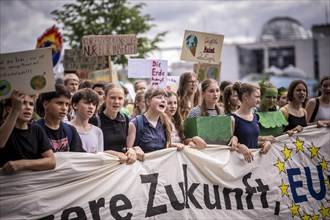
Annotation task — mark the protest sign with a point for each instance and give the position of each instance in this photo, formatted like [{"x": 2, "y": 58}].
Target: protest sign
[
  {"x": 172, "y": 83},
  {"x": 107, "y": 45},
  {"x": 75, "y": 61},
  {"x": 103, "y": 75},
  {"x": 29, "y": 71},
  {"x": 205, "y": 71},
  {"x": 139, "y": 68},
  {"x": 155, "y": 70},
  {"x": 158, "y": 73},
  {"x": 201, "y": 47},
  {"x": 290, "y": 181}
]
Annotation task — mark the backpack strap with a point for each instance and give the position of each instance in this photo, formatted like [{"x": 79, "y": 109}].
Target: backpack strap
[
  {"x": 316, "y": 109},
  {"x": 41, "y": 122},
  {"x": 67, "y": 129},
  {"x": 286, "y": 112},
  {"x": 139, "y": 128}
]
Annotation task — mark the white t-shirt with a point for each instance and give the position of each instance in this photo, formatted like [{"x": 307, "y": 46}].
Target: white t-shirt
[{"x": 92, "y": 140}]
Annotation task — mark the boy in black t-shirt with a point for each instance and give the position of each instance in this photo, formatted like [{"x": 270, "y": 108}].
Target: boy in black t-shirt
[
  {"x": 62, "y": 136},
  {"x": 23, "y": 146}
]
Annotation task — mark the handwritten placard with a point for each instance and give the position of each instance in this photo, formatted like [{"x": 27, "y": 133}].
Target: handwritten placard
[
  {"x": 172, "y": 83},
  {"x": 75, "y": 60},
  {"x": 201, "y": 47},
  {"x": 106, "y": 45},
  {"x": 139, "y": 68},
  {"x": 208, "y": 71},
  {"x": 29, "y": 71},
  {"x": 159, "y": 73},
  {"x": 155, "y": 70}
]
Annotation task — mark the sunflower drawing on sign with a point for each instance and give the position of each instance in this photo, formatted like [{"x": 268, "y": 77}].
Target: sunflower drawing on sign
[{"x": 191, "y": 43}]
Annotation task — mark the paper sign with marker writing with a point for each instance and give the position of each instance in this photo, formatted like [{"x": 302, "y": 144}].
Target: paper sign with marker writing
[
  {"x": 139, "y": 68},
  {"x": 172, "y": 83},
  {"x": 159, "y": 73},
  {"x": 155, "y": 70},
  {"x": 201, "y": 47},
  {"x": 29, "y": 71}
]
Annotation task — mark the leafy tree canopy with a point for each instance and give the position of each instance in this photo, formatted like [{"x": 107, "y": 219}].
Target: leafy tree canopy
[{"x": 106, "y": 17}]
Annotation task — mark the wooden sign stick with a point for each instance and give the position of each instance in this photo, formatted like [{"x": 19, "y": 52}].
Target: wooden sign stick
[
  {"x": 110, "y": 69},
  {"x": 197, "y": 69}
]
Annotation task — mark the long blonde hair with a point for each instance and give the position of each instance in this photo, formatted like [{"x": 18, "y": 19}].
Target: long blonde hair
[
  {"x": 164, "y": 119},
  {"x": 182, "y": 93},
  {"x": 205, "y": 84},
  {"x": 138, "y": 98},
  {"x": 177, "y": 118}
]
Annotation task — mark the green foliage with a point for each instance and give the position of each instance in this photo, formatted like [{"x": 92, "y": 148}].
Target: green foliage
[{"x": 106, "y": 17}]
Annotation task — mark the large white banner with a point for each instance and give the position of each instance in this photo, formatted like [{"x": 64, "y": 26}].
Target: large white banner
[{"x": 291, "y": 181}]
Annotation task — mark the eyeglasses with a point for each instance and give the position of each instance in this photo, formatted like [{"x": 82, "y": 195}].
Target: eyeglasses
[{"x": 192, "y": 81}]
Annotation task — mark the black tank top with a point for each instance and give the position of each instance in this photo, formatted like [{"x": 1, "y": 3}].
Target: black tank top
[{"x": 294, "y": 121}]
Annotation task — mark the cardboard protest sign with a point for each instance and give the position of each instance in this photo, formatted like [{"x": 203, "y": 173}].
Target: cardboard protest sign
[
  {"x": 29, "y": 71},
  {"x": 74, "y": 60},
  {"x": 204, "y": 127},
  {"x": 172, "y": 83},
  {"x": 201, "y": 47},
  {"x": 106, "y": 45},
  {"x": 155, "y": 70},
  {"x": 103, "y": 75},
  {"x": 206, "y": 70}
]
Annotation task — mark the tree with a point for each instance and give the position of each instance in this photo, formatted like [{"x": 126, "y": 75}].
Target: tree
[{"x": 107, "y": 17}]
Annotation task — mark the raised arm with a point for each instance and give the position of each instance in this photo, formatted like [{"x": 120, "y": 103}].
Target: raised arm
[{"x": 7, "y": 127}]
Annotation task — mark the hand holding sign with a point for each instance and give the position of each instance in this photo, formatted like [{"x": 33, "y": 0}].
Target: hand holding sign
[{"x": 29, "y": 71}]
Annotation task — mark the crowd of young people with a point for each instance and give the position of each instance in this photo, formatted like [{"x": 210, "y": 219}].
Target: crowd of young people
[{"x": 91, "y": 119}]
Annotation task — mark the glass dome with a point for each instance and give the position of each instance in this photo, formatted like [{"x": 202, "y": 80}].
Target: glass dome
[{"x": 284, "y": 28}]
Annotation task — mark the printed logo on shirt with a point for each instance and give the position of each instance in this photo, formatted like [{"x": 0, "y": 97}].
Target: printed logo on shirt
[{"x": 60, "y": 145}]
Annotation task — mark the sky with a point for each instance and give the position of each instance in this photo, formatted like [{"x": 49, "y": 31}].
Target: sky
[{"x": 240, "y": 21}]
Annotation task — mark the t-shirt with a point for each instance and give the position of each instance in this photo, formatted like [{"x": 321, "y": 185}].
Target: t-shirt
[
  {"x": 25, "y": 144},
  {"x": 151, "y": 138},
  {"x": 59, "y": 140},
  {"x": 114, "y": 131},
  {"x": 175, "y": 138},
  {"x": 247, "y": 132},
  {"x": 92, "y": 140},
  {"x": 196, "y": 112}
]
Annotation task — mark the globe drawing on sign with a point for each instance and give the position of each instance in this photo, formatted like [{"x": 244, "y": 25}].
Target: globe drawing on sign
[
  {"x": 38, "y": 82},
  {"x": 213, "y": 73},
  {"x": 191, "y": 43},
  {"x": 5, "y": 87}
]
